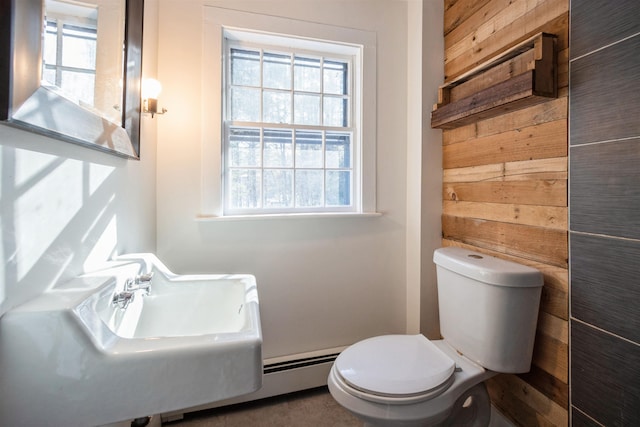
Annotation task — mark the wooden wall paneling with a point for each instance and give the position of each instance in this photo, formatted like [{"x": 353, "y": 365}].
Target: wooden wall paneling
[
  {"x": 490, "y": 200},
  {"x": 541, "y": 141},
  {"x": 548, "y": 169},
  {"x": 539, "y": 216},
  {"x": 457, "y": 12},
  {"x": 532, "y": 192},
  {"x": 550, "y": 411},
  {"x": 536, "y": 243},
  {"x": 542, "y": 113},
  {"x": 549, "y": 385},
  {"x": 516, "y": 32},
  {"x": 596, "y": 24},
  {"x": 517, "y": 410}
]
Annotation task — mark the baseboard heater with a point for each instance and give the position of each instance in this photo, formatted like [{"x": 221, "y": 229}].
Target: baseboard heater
[{"x": 282, "y": 375}]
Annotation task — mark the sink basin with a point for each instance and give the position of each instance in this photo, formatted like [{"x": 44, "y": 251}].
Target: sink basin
[{"x": 72, "y": 357}]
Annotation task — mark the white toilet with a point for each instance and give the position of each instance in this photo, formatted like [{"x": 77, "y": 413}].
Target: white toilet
[{"x": 488, "y": 316}]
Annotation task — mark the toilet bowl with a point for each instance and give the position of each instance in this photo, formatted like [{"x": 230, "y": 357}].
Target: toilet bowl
[
  {"x": 488, "y": 317},
  {"x": 407, "y": 380}
]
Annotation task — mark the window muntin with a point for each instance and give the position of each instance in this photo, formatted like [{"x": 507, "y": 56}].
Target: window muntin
[
  {"x": 288, "y": 141},
  {"x": 69, "y": 58}
]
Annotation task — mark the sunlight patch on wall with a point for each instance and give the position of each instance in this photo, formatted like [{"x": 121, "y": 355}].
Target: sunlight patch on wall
[
  {"x": 104, "y": 247},
  {"x": 48, "y": 195}
]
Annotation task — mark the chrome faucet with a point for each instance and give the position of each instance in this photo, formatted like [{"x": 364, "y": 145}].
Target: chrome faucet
[
  {"x": 131, "y": 285},
  {"x": 141, "y": 282}
]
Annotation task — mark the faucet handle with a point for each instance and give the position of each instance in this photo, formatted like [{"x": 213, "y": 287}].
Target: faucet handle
[{"x": 143, "y": 278}]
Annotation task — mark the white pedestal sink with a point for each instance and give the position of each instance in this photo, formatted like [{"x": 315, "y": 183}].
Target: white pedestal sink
[{"x": 71, "y": 357}]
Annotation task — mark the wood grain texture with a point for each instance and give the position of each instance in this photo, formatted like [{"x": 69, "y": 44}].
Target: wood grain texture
[
  {"x": 605, "y": 284},
  {"x": 605, "y": 94},
  {"x": 535, "y": 243},
  {"x": 491, "y": 169},
  {"x": 595, "y": 23},
  {"x": 604, "y": 376},
  {"x": 541, "y": 141},
  {"x": 605, "y": 188},
  {"x": 549, "y": 111}
]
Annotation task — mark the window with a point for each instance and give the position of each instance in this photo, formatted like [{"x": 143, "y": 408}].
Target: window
[
  {"x": 288, "y": 140},
  {"x": 69, "y": 59},
  {"x": 296, "y": 116}
]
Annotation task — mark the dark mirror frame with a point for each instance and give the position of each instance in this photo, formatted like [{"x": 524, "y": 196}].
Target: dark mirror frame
[{"x": 25, "y": 104}]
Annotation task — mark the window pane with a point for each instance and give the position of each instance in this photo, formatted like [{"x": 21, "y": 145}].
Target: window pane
[
  {"x": 338, "y": 191},
  {"x": 335, "y": 77},
  {"x": 244, "y": 147},
  {"x": 306, "y": 109},
  {"x": 245, "y": 67},
  {"x": 278, "y": 188},
  {"x": 50, "y": 47},
  {"x": 335, "y": 111},
  {"x": 276, "y": 107},
  {"x": 245, "y": 104},
  {"x": 244, "y": 188},
  {"x": 278, "y": 148},
  {"x": 338, "y": 147},
  {"x": 308, "y": 149},
  {"x": 276, "y": 71},
  {"x": 306, "y": 75},
  {"x": 78, "y": 86},
  {"x": 309, "y": 188},
  {"x": 78, "y": 47}
]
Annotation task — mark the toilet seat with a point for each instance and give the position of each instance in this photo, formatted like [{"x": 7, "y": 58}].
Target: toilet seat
[{"x": 396, "y": 369}]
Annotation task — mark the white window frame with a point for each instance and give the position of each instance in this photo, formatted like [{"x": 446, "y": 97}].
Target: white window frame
[{"x": 270, "y": 30}]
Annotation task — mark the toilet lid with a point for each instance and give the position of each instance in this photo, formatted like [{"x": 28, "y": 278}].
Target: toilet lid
[{"x": 394, "y": 365}]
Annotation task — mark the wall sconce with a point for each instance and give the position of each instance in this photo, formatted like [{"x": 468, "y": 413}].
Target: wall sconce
[{"x": 151, "y": 88}]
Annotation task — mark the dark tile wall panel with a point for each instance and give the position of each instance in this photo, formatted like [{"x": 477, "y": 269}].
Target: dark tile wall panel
[
  {"x": 604, "y": 95},
  {"x": 605, "y": 376},
  {"x": 605, "y": 284},
  {"x": 598, "y": 23},
  {"x": 604, "y": 182},
  {"x": 578, "y": 419}
]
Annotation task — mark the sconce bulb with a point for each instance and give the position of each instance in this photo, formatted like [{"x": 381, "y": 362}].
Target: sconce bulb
[{"x": 151, "y": 88}]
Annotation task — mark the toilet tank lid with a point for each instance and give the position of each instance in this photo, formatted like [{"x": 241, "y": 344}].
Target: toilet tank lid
[{"x": 487, "y": 268}]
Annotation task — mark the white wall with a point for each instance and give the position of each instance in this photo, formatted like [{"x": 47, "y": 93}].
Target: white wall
[
  {"x": 67, "y": 208},
  {"x": 323, "y": 282}
]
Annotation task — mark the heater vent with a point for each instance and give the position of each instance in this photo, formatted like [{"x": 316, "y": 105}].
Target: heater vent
[{"x": 299, "y": 363}]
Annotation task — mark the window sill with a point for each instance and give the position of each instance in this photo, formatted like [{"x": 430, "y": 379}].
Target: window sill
[{"x": 261, "y": 217}]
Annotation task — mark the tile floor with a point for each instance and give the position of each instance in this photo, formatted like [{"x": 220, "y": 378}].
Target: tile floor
[{"x": 309, "y": 408}]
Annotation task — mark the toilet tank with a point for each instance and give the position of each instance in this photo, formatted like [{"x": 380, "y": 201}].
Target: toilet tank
[{"x": 488, "y": 308}]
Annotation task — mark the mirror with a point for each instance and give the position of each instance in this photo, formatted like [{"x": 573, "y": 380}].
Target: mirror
[{"x": 74, "y": 70}]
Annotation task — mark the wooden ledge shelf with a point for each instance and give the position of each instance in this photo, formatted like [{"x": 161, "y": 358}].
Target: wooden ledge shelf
[{"x": 536, "y": 85}]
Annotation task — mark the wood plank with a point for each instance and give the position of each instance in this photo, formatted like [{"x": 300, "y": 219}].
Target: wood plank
[
  {"x": 554, "y": 327},
  {"x": 519, "y": 412},
  {"x": 511, "y": 35},
  {"x": 549, "y": 385},
  {"x": 552, "y": 110},
  {"x": 540, "y": 403},
  {"x": 534, "y": 192},
  {"x": 457, "y": 12},
  {"x": 553, "y": 168},
  {"x": 539, "y": 216},
  {"x": 551, "y": 356},
  {"x": 492, "y": 76},
  {"x": 514, "y": 94},
  {"x": 456, "y": 46},
  {"x": 555, "y": 302},
  {"x": 542, "y": 141},
  {"x": 534, "y": 243}
]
